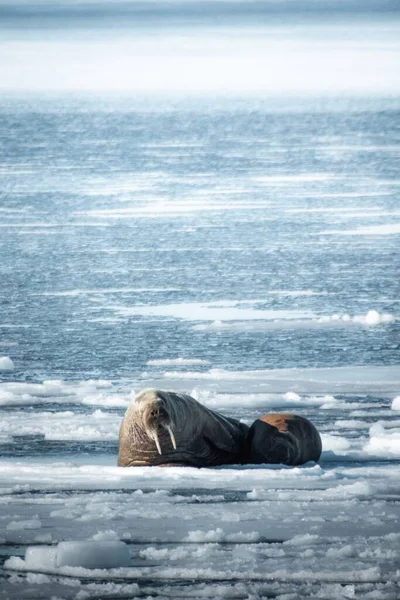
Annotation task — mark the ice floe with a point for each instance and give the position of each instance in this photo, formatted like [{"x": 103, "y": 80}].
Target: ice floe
[
  {"x": 388, "y": 229},
  {"x": 6, "y": 364},
  {"x": 396, "y": 403}
]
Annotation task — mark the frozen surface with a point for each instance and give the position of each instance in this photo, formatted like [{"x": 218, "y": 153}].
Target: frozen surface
[
  {"x": 246, "y": 254},
  {"x": 6, "y": 364},
  {"x": 332, "y": 530}
]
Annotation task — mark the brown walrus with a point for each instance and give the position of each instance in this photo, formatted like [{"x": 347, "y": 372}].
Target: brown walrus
[
  {"x": 283, "y": 439},
  {"x": 164, "y": 428}
]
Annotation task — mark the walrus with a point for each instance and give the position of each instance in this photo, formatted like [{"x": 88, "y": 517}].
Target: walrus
[
  {"x": 283, "y": 439},
  {"x": 168, "y": 428}
]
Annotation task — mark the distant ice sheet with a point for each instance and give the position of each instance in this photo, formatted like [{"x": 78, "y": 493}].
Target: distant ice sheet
[
  {"x": 174, "y": 362},
  {"x": 337, "y": 320},
  {"x": 335, "y": 380},
  {"x": 100, "y": 392},
  {"x": 210, "y": 311},
  {"x": 246, "y": 314},
  {"x": 389, "y": 229}
]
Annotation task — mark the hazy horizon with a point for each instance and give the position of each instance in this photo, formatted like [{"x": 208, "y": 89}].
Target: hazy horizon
[{"x": 228, "y": 47}]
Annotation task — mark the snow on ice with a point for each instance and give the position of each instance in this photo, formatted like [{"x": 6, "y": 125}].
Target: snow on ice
[{"x": 77, "y": 526}]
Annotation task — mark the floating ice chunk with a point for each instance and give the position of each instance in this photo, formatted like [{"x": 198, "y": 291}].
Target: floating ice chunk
[
  {"x": 93, "y": 554},
  {"x": 166, "y": 362},
  {"x": 372, "y": 318},
  {"x": 88, "y": 555},
  {"x": 217, "y": 536},
  {"x": 40, "y": 558},
  {"x": 83, "y": 555},
  {"x": 106, "y": 400},
  {"x": 292, "y": 396},
  {"x": 106, "y": 536},
  {"x": 303, "y": 540},
  {"x": 396, "y": 403},
  {"x": 334, "y": 443},
  {"x": 213, "y": 535},
  {"x": 6, "y": 364},
  {"x": 33, "y": 523},
  {"x": 387, "y": 229},
  {"x": 383, "y": 441}
]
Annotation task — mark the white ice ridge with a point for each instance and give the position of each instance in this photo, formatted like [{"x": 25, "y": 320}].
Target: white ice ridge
[
  {"x": 384, "y": 441},
  {"x": 388, "y": 229},
  {"x": 62, "y": 425},
  {"x": 396, "y": 403},
  {"x": 102, "y": 291},
  {"x": 6, "y": 364},
  {"x": 86, "y": 554},
  {"x": 225, "y": 314},
  {"x": 370, "y": 319},
  {"x": 230, "y": 310},
  {"x": 370, "y": 379},
  {"x": 263, "y": 400},
  {"x": 92, "y": 392},
  {"x": 166, "y": 362}
]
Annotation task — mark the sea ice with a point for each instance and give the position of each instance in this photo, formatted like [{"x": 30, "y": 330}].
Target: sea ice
[
  {"x": 84, "y": 554},
  {"x": 6, "y": 364},
  {"x": 93, "y": 554},
  {"x": 383, "y": 441},
  {"x": 396, "y": 403}
]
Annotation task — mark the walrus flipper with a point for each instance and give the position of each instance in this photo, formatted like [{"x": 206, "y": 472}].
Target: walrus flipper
[{"x": 226, "y": 437}]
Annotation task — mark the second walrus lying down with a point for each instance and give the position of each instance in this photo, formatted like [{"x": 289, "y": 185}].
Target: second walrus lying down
[
  {"x": 164, "y": 428},
  {"x": 168, "y": 428},
  {"x": 283, "y": 439}
]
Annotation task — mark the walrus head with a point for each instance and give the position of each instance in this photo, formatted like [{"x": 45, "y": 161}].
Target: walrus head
[{"x": 154, "y": 413}]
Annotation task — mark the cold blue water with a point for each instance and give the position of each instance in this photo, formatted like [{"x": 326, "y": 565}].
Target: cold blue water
[{"x": 251, "y": 235}]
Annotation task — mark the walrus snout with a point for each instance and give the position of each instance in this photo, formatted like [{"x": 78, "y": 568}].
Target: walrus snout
[
  {"x": 155, "y": 418},
  {"x": 158, "y": 414}
]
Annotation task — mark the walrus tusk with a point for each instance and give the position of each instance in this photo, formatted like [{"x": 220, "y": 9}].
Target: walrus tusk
[
  {"x": 171, "y": 435},
  {"x": 157, "y": 442}
]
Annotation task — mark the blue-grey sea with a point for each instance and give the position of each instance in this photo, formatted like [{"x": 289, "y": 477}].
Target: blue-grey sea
[{"x": 107, "y": 207}]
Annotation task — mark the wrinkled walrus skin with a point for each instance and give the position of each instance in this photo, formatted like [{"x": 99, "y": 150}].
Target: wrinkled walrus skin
[
  {"x": 283, "y": 439},
  {"x": 168, "y": 428}
]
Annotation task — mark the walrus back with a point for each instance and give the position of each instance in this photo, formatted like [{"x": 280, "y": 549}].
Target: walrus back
[{"x": 283, "y": 439}]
